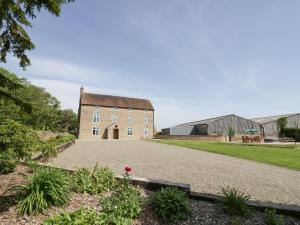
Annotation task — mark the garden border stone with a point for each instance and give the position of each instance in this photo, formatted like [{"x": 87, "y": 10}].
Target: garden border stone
[{"x": 59, "y": 149}]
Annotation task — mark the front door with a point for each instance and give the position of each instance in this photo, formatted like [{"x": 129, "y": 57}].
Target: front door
[{"x": 116, "y": 134}]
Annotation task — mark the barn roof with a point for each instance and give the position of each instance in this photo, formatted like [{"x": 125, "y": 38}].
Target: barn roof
[
  {"x": 205, "y": 121},
  {"x": 269, "y": 119},
  {"x": 115, "y": 101}
]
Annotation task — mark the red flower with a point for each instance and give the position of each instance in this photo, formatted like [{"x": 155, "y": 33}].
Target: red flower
[{"x": 128, "y": 169}]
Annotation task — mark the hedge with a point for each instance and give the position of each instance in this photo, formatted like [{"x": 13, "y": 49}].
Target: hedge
[{"x": 291, "y": 133}]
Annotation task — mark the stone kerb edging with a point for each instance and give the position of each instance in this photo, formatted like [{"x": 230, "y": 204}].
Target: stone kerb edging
[
  {"x": 59, "y": 149},
  {"x": 154, "y": 184}
]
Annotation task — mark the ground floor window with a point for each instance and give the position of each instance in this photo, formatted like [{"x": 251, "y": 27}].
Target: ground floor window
[
  {"x": 129, "y": 131},
  {"x": 95, "y": 130},
  {"x": 146, "y": 131}
]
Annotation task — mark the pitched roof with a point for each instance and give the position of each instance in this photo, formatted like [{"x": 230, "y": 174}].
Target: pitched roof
[
  {"x": 205, "y": 121},
  {"x": 115, "y": 101},
  {"x": 268, "y": 119}
]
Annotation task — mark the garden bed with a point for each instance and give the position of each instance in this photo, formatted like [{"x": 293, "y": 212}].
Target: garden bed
[{"x": 202, "y": 212}]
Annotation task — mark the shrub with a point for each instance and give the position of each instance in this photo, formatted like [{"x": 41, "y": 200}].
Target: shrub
[
  {"x": 82, "y": 216},
  {"x": 291, "y": 133},
  {"x": 234, "y": 202},
  {"x": 171, "y": 204},
  {"x": 19, "y": 139},
  {"x": 96, "y": 182},
  {"x": 7, "y": 163},
  {"x": 45, "y": 188},
  {"x": 272, "y": 219},
  {"x": 123, "y": 206}
]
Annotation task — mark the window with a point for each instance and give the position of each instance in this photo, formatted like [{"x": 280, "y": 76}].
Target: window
[
  {"x": 115, "y": 118},
  {"x": 95, "y": 130},
  {"x": 129, "y": 131},
  {"x": 146, "y": 111},
  {"x": 97, "y": 108},
  {"x": 146, "y": 120},
  {"x": 130, "y": 119},
  {"x": 115, "y": 109},
  {"x": 96, "y": 118},
  {"x": 146, "y": 131},
  {"x": 130, "y": 109}
]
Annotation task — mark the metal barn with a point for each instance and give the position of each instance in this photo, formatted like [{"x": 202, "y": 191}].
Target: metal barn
[
  {"x": 270, "y": 124},
  {"x": 214, "y": 126}
]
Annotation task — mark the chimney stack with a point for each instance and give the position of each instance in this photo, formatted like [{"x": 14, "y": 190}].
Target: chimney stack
[{"x": 81, "y": 89}]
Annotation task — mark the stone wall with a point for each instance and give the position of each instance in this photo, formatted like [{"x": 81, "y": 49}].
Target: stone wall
[
  {"x": 192, "y": 137},
  {"x": 122, "y": 124}
]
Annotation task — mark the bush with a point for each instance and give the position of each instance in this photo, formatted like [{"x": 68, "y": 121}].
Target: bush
[
  {"x": 291, "y": 133},
  {"x": 45, "y": 188},
  {"x": 19, "y": 139},
  {"x": 272, "y": 219},
  {"x": 234, "y": 202},
  {"x": 96, "y": 182},
  {"x": 171, "y": 204},
  {"x": 82, "y": 216},
  {"x": 7, "y": 163},
  {"x": 123, "y": 206}
]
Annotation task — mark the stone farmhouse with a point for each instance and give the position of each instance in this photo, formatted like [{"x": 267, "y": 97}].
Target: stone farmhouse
[{"x": 114, "y": 117}]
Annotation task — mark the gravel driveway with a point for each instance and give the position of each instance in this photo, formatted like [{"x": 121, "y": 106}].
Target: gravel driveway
[{"x": 206, "y": 172}]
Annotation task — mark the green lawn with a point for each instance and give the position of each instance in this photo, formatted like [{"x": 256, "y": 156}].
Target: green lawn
[{"x": 280, "y": 155}]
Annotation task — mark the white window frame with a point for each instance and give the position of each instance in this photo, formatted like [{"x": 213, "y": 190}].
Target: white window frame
[
  {"x": 146, "y": 119},
  {"x": 95, "y": 130},
  {"x": 96, "y": 117},
  {"x": 128, "y": 131},
  {"x": 115, "y": 109},
  {"x": 130, "y": 119},
  {"x": 115, "y": 118}
]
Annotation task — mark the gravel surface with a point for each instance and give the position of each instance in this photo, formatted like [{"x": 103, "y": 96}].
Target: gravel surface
[{"x": 206, "y": 172}]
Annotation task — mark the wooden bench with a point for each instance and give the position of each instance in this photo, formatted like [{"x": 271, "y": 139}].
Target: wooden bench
[{"x": 287, "y": 140}]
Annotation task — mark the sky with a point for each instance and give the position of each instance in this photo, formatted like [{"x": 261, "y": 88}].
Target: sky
[{"x": 194, "y": 59}]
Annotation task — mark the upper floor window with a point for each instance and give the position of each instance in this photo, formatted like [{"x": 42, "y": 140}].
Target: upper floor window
[
  {"x": 146, "y": 111},
  {"x": 129, "y": 131},
  {"x": 130, "y": 118},
  {"x": 97, "y": 108},
  {"x": 115, "y": 118},
  {"x": 130, "y": 109},
  {"x": 95, "y": 130},
  {"x": 96, "y": 117},
  {"x": 146, "y": 120},
  {"x": 115, "y": 109}
]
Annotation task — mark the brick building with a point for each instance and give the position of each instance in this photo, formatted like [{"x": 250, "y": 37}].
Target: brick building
[{"x": 114, "y": 117}]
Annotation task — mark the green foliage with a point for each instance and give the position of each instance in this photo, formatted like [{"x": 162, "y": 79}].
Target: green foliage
[
  {"x": 272, "y": 219},
  {"x": 123, "y": 206},
  {"x": 7, "y": 163},
  {"x": 45, "y": 188},
  {"x": 230, "y": 133},
  {"x": 282, "y": 122},
  {"x": 45, "y": 109},
  {"x": 234, "y": 202},
  {"x": 96, "y": 182},
  {"x": 171, "y": 204},
  {"x": 291, "y": 133},
  {"x": 18, "y": 139},
  {"x": 83, "y": 216},
  {"x": 14, "y": 16}
]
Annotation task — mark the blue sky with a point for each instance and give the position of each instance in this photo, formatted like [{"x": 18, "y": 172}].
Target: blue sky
[{"x": 193, "y": 59}]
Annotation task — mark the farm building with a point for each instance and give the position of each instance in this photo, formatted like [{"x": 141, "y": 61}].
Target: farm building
[
  {"x": 215, "y": 126},
  {"x": 270, "y": 124}
]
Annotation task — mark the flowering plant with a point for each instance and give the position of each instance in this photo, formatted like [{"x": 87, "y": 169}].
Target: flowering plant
[{"x": 127, "y": 170}]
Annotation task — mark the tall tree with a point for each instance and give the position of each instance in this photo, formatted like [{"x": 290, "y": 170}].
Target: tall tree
[{"x": 15, "y": 15}]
